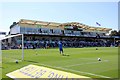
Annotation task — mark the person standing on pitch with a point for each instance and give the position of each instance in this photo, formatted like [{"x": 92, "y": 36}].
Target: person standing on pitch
[{"x": 60, "y": 47}]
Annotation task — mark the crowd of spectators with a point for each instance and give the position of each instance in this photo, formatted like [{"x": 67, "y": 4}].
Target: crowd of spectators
[{"x": 67, "y": 42}]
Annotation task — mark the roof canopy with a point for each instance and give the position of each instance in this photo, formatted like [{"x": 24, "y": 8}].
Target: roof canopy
[
  {"x": 74, "y": 24},
  {"x": 32, "y": 22},
  {"x": 86, "y": 27}
]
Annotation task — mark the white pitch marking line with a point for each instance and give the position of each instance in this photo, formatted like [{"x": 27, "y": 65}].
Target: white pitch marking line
[
  {"x": 87, "y": 58},
  {"x": 86, "y": 63},
  {"x": 84, "y": 72},
  {"x": 76, "y": 71}
]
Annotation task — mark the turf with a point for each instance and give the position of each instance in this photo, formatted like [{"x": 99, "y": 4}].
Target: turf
[
  {"x": 0, "y": 65},
  {"x": 81, "y": 61}
]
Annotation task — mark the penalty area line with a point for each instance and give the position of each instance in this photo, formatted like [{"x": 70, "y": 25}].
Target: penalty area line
[
  {"x": 86, "y": 63},
  {"x": 86, "y": 73}
]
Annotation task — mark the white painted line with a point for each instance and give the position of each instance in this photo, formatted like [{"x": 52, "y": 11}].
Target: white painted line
[
  {"x": 88, "y": 58},
  {"x": 86, "y": 63},
  {"x": 86, "y": 73}
]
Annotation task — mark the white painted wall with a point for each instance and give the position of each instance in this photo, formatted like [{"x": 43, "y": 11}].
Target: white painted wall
[{"x": 15, "y": 29}]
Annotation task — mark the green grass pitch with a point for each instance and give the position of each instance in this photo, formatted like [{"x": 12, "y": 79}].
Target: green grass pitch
[{"x": 81, "y": 61}]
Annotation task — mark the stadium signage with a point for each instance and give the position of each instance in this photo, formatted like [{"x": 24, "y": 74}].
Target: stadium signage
[
  {"x": 68, "y": 27},
  {"x": 80, "y": 29},
  {"x": 39, "y": 26},
  {"x": 33, "y": 71}
]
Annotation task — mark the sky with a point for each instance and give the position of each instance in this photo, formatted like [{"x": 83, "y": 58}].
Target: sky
[{"x": 105, "y": 13}]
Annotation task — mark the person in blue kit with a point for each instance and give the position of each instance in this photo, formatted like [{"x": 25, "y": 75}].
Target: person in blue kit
[{"x": 60, "y": 47}]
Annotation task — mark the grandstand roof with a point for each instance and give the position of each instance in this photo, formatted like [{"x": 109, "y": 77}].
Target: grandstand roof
[
  {"x": 74, "y": 24},
  {"x": 33, "y": 22}
]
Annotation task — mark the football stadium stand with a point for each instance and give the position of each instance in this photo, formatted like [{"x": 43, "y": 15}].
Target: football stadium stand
[{"x": 40, "y": 34}]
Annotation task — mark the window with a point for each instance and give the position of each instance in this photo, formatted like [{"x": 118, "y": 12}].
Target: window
[
  {"x": 77, "y": 32},
  {"x": 56, "y": 31},
  {"x": 67, "y": 32},
  {"x": 22, "y": 29},
  {"x": 45, "y": 30}
]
